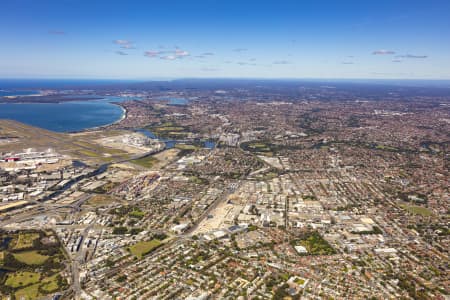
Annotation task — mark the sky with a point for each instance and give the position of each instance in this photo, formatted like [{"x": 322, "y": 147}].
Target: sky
[{"x": 382, "y": 39}]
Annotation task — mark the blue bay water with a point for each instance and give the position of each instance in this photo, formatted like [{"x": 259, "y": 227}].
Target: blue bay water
[
  {"x": 16, "y": 93},
  {"x": 63, "y": 117},
  {"x": 60, "y": 117}
]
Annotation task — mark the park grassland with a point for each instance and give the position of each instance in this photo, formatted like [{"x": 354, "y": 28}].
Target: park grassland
[
  {"x": 50, "y": 284},
  {"x": 314, "y": 243},
  {"x": 137, "y": 214},
  {"x": 416, "y": 210},
  {"x": 146, "y": 162},
  {"x": 140, "y": 249},
  {"x": 34, "y": 260},
  {"x": 185, "y": 147},
  {"x": 169, "y": 130},
  {"x": 47, "y": 285},
  {"x": 31, "y": 257},
  {"x": 197, "y": 180},
  {"x": 25, "y": 240},
  {"x": 19, "y": 279},
  {"x": 28, "y": 293},
  {"x": 260, "y": 147}
]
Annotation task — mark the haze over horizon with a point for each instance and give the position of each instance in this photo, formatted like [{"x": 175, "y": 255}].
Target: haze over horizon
[{"x": 218, "y": 39}]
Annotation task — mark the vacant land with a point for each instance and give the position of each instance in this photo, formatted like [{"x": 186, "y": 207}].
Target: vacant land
[
  {"x": 101, "y": 200},
  {"x": 142, "y": 248}
]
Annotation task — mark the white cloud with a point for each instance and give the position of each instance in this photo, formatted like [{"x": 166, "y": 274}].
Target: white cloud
[
  {"x": 383, "y": 52},
  {"x": 169, "y": 57},
  {"x": 412, "y": 56},
  {"x": 122, "y": 42},
  {"x": 181, "y": 53},
  {"x": 152, "y": 53},
  {"x": 167, "y": 54},
  {"x": 128, "y": 46}
]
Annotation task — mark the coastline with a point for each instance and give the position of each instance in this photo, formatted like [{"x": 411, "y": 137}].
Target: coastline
[
  {"x": 123, "y": 117},
  {"x": 25, "y": 99},
  {"x": 33, "y": 93}
]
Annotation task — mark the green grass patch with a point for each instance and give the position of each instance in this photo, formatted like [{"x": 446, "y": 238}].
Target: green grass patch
[
  {"x": 260, "y": 147},
  {"x": 106, "y": 188},
  {"x": 32, "y": 274},
  {"x": 314, "y": 243},
  {"x": 21, "y": 279},
  {"x": 198, "y": 180},
  {"x": 384, "y": 147},
  {"x": 31, "y": 257},
  {"x": 252, "y": 227},
  {"x": 146, "y": 162},
  {"x": 185, "y": 147},
  {"x": 50, "y": 284},
  {"x": 284, "y": 276},
  {"x": 177, "y": 134},
  {"x": 28, "y": 293},
  {"x": 138, "y": 214},
  {"x": 89, "y": 153},
  {"x": 169, "y": 129},
  {"x": 142, "y": 248},
  {"x": 417, "y": 210}
]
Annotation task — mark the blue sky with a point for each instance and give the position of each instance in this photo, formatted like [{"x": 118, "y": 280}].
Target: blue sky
[{"x": 211, "y": 38}]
